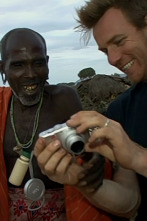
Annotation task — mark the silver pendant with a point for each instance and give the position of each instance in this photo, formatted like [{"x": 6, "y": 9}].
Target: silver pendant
[{"x": 34, "y": 189}]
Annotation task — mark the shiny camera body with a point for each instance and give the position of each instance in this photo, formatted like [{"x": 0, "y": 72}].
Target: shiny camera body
[{"x": 71, "y": 141}]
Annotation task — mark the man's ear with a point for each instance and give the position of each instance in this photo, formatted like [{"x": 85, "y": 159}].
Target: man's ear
[
  {"x": 1, "y": 66},
  {"x": 47, "y": 57},
  {"x": 3, "y": 75}
]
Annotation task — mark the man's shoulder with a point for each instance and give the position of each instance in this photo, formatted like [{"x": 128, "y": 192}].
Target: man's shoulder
[
  {"x": 126, "y": 94},
  {"x": 121, "y": 100},
  {"x": 132, "y": 92},
  {"x": 58, "y": 89},
  {"x": 60, "y": 94}
]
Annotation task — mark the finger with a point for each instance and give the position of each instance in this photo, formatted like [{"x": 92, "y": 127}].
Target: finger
[
  {"x": 102, "y": 149},
  {"x": 55, "y": 160},
  {"x": 92, "y": 182},
  {"x": 96, "y": 159},
  {"x": 81, "y": 123},
  {"x": 99, "y": 135},
  {"x": 63, "y": 165},
  {"x": 95, "y": 174},
  {"x": 79, "y": 118},
  {"x": 39, "y": 146},
  {"x": 47, "y": 152},
  {"x": 86, "y": 156}
]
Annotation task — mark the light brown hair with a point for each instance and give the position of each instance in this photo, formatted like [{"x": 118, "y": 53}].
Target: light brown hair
[{"x": 89, "y": 14}]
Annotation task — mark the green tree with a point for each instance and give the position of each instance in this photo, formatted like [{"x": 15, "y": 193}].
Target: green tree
[{"x": 86, "y": 72}]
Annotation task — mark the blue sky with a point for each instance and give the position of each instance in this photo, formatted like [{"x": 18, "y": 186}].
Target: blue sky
[{"x": 55, "y": 21}]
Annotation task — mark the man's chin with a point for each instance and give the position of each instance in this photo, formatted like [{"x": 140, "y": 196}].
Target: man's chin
[
  {"x": 29, "y": 100},
  {"x": 29, "y": 97}
]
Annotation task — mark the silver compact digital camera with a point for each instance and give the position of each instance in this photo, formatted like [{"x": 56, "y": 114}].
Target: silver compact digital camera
[{"x": 71, "y": 141}]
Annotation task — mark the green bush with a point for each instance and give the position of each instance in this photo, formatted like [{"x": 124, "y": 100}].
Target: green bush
[{"x": 86, "y": 72}]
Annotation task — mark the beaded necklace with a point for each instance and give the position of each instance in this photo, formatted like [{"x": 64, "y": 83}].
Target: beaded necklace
[{"x": 20, "y": 145}]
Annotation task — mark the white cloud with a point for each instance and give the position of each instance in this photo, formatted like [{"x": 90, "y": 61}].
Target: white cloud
[
  {"x": 55, "y": 20},
  {"x": 71, "y": 62}
]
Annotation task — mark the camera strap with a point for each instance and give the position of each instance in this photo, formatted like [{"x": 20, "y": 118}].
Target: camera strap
[{"x": 34, "y": 189}]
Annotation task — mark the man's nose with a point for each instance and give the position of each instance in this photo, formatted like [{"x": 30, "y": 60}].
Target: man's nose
[
  {"x": 114, "y": 56},
  {"x": 30, "y": 71}
]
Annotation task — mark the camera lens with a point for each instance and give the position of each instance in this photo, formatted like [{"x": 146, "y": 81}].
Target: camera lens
[
  {"x": 77, "y": 147},
  {"x": 74, "y": 144}
]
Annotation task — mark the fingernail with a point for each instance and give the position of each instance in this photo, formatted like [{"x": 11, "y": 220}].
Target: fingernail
[
  {"x": 56, "y": 143},
  {"x": 41, "y": 140},
  {"x": 70, "y": 120},
  {"x": 73, "y": 116}
]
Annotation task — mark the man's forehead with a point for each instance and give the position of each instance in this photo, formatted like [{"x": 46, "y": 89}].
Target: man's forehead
[
  {"x": 23, "y": 36},
  {"x": 24, "y": 39}
]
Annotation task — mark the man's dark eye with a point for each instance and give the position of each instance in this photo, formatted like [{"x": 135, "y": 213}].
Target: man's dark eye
[
  {"x": 17, "y": 64},
  {"x": 120, "y": 42},
  {"x": 105, "y": 51},
  {"x": 40, "y": 62}
]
